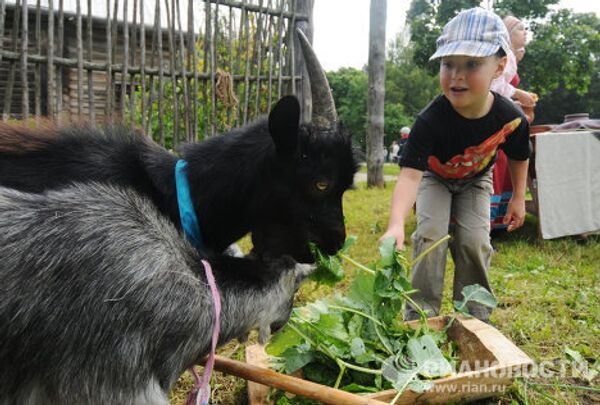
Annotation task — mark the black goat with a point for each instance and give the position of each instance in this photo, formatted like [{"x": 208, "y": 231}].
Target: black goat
[
  {"x": 281, "y": 180},
  {"x": 103, "y": 302}
]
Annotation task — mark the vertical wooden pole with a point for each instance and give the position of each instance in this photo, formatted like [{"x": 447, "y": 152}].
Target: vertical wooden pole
[
  {"x": 161, "y": 74},
  {"x": 24, "y": 50},
  {"x": 270, "y": 62},
  {"x": 184, "y": 79},
  {"x": 206, "y": 51},
  {"x": 79, "y": 60},
  {"x": 60, "y": 41},
  {"x": 230, "y": 34},
  {"x": 213, "y": 68},
  {"x": 248, "y": 62},
  {"x": 38, "y": 67},
  {"x": 143, "y": 66},
  {"x": 132, "y": 78},
  {"x": 258, "y": 56},
  {"x": 238, "y": 59},
  {"x": 280, "y": 50},
  {"x": 125, "y": 71},
  {"x": 304, "y": 7},
  {"x": 192, "y": 58},
  {"x": 173, "y": 69},
  {"x": 10, "y": 81},
  {"x": 90, "y": 73},
  {"x": 375, "y": 104},
  {"x": 109, "y": 62},
  {"x": 50, "y": 66}
]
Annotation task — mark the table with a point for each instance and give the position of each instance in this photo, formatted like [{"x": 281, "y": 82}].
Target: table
[{"x": 565, "y": 182}]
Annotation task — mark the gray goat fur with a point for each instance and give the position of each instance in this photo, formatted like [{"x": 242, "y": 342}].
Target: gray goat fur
[{"x": 103, "y": 302}]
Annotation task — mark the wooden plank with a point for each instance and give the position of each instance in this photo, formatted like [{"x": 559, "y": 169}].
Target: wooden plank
[{"x": 289, "y": 383}]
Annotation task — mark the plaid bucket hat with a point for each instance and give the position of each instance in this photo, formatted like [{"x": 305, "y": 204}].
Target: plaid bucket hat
[{"x": 474, "y": 32}]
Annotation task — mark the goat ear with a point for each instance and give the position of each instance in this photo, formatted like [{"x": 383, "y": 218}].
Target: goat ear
[{"x": 284, "y": 120}]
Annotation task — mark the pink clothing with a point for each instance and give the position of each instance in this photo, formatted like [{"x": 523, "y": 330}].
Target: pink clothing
[{"x": 502, "y": 85}]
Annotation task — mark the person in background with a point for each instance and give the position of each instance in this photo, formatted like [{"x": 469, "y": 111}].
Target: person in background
[
  {"x": 446, "y": 163},
  {"x": 404, "y": 132},
  {"x": 394, "y": 148},
  {"x": 506, "y": 85}
]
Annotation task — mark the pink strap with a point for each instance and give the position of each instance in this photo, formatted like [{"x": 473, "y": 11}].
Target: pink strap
[{"x": 201, "y": 388}]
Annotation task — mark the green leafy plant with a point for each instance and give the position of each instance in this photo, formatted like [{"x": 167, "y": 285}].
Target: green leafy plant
[{"x": 358, "y": 342}]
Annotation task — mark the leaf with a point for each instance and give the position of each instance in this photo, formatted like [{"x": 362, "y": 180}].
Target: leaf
[
  {"x": 359, "y": 351},
  {"x": 399, "y": 377},
  {"x": 332, "y": 324},
  {"x": 282, "y": 340},
  {"x": 329, "y": 270},
  {"x": 475, "y": 293},
  {"x": 582, "y": 368},
  {"x": 361, "y": 289},
  {"x": 297, "y": 357},
  {"x": 387, "y": 249},
  {"x": 428, "y": 357},
  {"x": 357, "y": 388},
  {"x": 348, "y": 243}
]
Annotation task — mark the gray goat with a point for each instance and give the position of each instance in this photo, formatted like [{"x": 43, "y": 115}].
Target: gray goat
[{"x": 103, "y": 302}]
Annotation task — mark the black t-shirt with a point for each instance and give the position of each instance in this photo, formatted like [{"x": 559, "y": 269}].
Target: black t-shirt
[{"x": 452, "y": 146}]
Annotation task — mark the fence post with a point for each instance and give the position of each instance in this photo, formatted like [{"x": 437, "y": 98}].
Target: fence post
[{"x": 303, "y": 7}]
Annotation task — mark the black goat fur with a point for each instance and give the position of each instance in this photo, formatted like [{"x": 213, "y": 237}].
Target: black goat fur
[{"x": 278, "y": 179}]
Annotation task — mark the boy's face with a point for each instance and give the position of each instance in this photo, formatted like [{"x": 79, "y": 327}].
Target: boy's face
[{"x": 465, "y": 81}]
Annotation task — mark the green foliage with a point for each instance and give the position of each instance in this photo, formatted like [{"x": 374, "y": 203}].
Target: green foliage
[
  {"x": 562, "y": 65},
  {"x": 349, "y": 87},
  {"x": 353, "y": 341},
  {"x": 329, "y": 269},
  {"x": 475, "y": 293}
]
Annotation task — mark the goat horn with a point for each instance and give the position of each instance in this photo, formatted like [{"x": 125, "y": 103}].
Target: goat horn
[{"x": 323, "y": 107}]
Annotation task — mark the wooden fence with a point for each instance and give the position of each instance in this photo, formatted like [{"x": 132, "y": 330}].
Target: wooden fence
[{"x": 180, "y": 70}]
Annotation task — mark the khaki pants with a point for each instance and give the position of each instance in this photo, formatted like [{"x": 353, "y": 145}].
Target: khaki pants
[{"x": 467, "y": 202}]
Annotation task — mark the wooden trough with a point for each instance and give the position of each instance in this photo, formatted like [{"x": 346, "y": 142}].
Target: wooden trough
[{"x": 489, "y": 364}]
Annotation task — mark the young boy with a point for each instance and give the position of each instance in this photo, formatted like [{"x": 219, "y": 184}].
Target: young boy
[{"x": 449, "y": 156}]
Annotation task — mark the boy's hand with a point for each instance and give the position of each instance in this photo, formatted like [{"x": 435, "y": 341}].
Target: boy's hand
[
  {"x": 515, "y": 214},
  {"x": 398, "y": 233}
]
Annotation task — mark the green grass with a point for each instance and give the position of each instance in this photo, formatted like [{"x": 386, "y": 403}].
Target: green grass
[
  {"x": 548, "y": 294},
  {"x": 389, "y": 169}
]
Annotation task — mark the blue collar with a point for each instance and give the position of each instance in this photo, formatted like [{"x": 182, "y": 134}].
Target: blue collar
[{"x": 189, "y": 220}]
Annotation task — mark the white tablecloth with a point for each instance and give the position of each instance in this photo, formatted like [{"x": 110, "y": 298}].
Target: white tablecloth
[{"x": 568, "y": 182}]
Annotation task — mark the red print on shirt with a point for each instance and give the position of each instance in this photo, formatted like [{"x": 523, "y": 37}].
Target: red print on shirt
[{"x": 475, "y": 158}]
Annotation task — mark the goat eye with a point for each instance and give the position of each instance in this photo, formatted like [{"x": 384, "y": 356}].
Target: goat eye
[{"x": 321, "y": 185}]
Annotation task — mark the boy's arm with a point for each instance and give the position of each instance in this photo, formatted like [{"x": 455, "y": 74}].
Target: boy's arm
[
  {"x": 515, "y": 214},
  {"x": 403, "y": 198}
]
